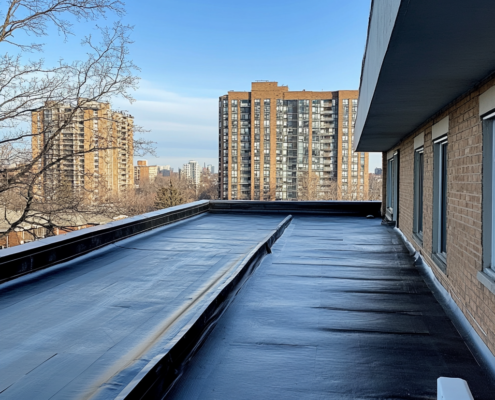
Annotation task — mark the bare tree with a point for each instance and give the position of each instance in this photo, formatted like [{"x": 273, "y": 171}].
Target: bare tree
[
  {"x": 168, "y": 196},
  {"x": 32, "y": 148},
  {"x": 133, "y": 201},
  {"x": 186, "y": 187},
  {"x": 308, "y": 186},
  {"x": 208, "y": 186},
  {"x": 375, "y": 187},
  {"x": 331, "y": 190}
]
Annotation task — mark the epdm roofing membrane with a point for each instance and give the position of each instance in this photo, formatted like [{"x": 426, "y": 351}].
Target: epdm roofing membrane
[
  {"x": 336, "y": 311},
  {"x": 85, "y": 328}
]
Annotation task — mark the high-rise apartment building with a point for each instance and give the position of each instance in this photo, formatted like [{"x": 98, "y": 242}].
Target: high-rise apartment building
[
  {"x": 108, "y": 168},
  {"x": 276, "y": 144},
  {"x": 191, "y": 171}
]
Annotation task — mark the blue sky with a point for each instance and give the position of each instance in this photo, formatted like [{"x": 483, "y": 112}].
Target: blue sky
[{"x": 192, "y": 52}]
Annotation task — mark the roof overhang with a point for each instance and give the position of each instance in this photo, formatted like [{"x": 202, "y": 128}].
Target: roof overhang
[{"x": 420, "y": 55}]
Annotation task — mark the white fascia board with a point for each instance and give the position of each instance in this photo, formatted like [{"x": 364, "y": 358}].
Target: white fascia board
[{"x": 382, "y": 21}]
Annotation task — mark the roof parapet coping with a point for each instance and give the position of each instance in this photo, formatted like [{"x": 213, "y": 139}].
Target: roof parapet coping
[{"x": 44, "y": 253}]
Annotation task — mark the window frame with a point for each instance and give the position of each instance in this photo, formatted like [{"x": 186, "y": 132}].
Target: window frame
[
  {"x": 487, "y": 275},
  {"x": 418, "y": 217},
  {"x": 440, "y": 201},
  {"x": 392, "y": 201}
]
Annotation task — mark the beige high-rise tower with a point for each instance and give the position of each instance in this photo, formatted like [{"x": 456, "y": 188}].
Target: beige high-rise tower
[
  {"x": 108, "y": 169},
  {"x": 276, "y": 144}
]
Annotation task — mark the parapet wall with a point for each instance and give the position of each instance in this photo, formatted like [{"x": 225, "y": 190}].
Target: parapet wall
[
  {"x": 31, "y": 257},
  {"x": 354, "y": 208}
]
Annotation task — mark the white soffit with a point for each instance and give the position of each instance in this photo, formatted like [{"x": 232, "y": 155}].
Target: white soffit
[
  {"x": 440, "y": 128},
  {"x": 487, "y": 101},
  {"x": 419, "y": 140}
]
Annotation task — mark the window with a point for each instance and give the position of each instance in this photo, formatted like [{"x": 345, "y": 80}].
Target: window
[
  {"x": 440, "y": 201},
  {"x": 488, "y": 275},
  {"x": 418, "y": 193},
  {"x": 392, "y": 209}
]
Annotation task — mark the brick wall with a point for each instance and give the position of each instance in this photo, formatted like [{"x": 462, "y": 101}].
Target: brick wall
[{"x": 464, "y": 209}]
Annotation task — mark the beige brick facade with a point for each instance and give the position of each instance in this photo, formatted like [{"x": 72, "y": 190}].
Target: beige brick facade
[{"x": 464, "y": 208}]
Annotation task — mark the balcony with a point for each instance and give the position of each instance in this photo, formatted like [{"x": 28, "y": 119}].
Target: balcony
[{"x": 332, "y": 306}]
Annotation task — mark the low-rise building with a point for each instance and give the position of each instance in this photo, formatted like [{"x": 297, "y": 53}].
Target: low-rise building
[
  {"x": 39, "y": 225},
  {"x": 427, "y": 102},
  {"x": 144, "y": 172}
]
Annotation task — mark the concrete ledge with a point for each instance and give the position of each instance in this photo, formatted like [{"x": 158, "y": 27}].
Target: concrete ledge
[
  {"x": 158, "y": 377},
  {"x": 30, "y": 257},
  {"x": 354, "y": 208}
]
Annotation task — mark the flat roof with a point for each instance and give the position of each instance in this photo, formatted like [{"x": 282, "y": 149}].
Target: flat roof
[
  {"x": 322, "y": 304},
  {"x": 337, "y": 311},
  {"x": 420, "y": 56},
  {"x": 86, "y": 327}
]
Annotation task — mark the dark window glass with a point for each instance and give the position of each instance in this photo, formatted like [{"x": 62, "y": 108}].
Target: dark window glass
[
  {"x": 443, "y": 201},
  {"x": 440, "y": 201},
  {"x": 418, "y": 192}
]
